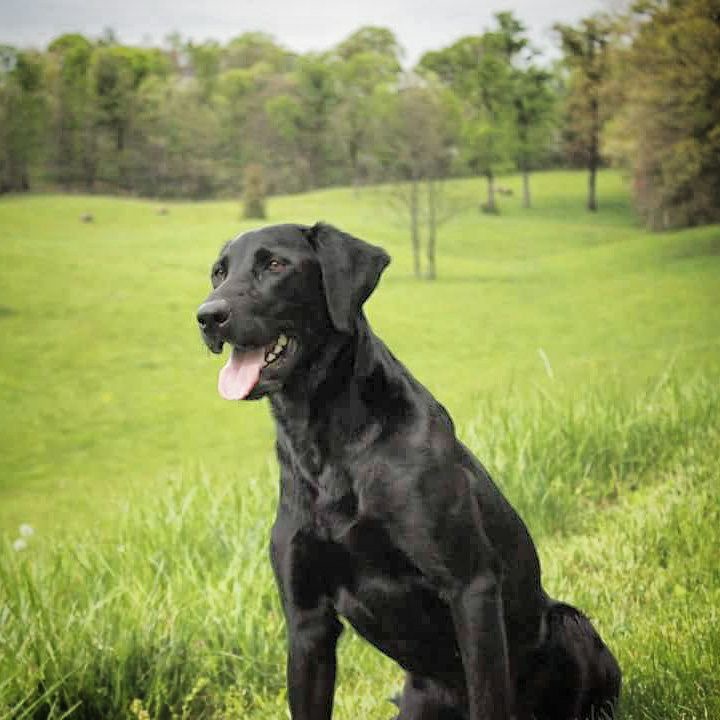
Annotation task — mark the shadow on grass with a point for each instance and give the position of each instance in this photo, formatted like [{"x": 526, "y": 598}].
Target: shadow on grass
[{"x": 701, "y": 247}]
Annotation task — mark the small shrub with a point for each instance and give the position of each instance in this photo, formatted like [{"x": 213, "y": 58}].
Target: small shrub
[{"x": 254, "y": 190}]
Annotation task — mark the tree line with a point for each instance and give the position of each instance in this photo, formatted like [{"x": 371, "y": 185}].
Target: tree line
[{"x": 641, "y": 90}]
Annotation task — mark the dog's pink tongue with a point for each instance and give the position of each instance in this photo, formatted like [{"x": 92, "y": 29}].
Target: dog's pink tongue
[{"x": 240, "y": 374}]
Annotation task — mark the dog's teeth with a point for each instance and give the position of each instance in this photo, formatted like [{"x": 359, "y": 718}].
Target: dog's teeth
[
  {"x": 282, "y": 341},
  {"x": 270, "y": 357},
  {"x": 277, "y": 349}
]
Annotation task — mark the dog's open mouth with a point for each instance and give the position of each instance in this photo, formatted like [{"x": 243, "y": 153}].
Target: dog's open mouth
[{"x": 241, "y": 372}]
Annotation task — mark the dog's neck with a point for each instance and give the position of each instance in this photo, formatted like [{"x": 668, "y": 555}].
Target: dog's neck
[
  {"x": 352, "y": 385},
  {"x": 329, "y": 374}
]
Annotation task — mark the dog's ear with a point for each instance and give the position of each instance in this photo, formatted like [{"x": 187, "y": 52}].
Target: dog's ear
[{"x": 350, "y": 270}]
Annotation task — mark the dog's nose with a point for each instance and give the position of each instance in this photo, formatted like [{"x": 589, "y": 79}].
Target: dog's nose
[{"x": 213, "y": 314}]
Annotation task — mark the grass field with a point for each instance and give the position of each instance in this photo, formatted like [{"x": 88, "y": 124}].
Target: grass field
[{"x": 578, "y": 354}]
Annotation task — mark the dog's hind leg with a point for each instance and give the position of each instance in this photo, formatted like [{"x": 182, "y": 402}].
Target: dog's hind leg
[{"x": 422, "y": 699}]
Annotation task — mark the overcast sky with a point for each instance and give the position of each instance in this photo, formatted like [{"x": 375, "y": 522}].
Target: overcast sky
[{"x": 299, "y": 25}]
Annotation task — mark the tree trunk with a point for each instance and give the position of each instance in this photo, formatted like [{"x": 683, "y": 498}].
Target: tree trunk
[
  {"x": 594, "y": 160},
  {"x": 354, "y": 152},
  {"x": 415, "y": 226},
  {"x": 490, "y": 206},
  {"x": 592, "y": 189},
  {"x": 526, "y": 186},
  {"x": 432, "y": 228},
  {"x": 89, "y": 160}
]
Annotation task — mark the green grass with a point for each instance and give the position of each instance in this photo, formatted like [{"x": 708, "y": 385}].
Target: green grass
[
  {"x": 179, "y": 612},
  {"x": 106, "y": 387},
  {"x": 577, "y": 353}
]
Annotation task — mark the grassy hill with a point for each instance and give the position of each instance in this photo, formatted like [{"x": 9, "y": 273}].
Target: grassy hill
[
  {"x": 577, "y": 353},
  {"x": 106, "y": 387}
]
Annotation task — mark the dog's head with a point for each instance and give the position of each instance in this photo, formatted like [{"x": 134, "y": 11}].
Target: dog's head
[{"x": 278, "y": 293}]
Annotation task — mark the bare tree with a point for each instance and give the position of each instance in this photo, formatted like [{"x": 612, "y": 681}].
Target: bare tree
[{"x": 420, "y": 135}]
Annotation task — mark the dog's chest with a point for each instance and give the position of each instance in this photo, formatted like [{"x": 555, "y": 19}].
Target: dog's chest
[
  {"x": 336, "y": 516},
  {"x": 339, "y": 520},
  {"x": 380, "y": 592},
  {"x": 374, "y": 584}
]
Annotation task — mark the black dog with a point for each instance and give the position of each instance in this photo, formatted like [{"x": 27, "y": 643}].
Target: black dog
[{"x": 385, "y": 517}]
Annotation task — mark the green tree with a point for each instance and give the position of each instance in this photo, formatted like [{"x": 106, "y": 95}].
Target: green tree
[
  {"x": 668, "y": 131},
  {"x": 478, "y": 68},
  {"x": 371, "y": 39},
  {"x": 205, "y": 60},
  {"x": 252, "y": 48},
  {"x": 368, "y": 65},
  {"x": 112, "y": 83},
  {"x": 22, "y": 117},
  {"x": 533, "y": 114},
  {"x": 174, "y": 147},
  {"x": 72, "y": 139},
  {"x": 302, "y": 111},
  {"x": 116, "y": 73},
  {"x": 586, "y": 52}
]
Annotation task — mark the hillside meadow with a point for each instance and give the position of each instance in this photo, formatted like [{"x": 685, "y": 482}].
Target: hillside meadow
[{"x": 577, "y": 353}]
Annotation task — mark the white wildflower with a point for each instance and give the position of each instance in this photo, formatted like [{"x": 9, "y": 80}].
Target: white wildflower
[
  {"x": 20, "y": 545},
  {"x": 26, "y": 530}
]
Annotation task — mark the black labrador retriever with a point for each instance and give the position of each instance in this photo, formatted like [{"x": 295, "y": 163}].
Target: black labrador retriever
[{"x": 384, "y": 516}]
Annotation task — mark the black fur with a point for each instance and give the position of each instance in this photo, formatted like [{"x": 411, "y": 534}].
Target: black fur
[{"x": 384, "y": 516}]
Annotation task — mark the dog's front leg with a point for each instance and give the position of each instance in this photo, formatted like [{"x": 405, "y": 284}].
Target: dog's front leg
[
  {"x": 312, "y": 624},
  {"x": 311, "y": 663},
  {"x": 480, "y": 627}
]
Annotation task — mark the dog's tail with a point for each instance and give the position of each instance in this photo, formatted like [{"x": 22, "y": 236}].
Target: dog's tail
[
  {"x": 573, "y": 674},
  {"x": 571, "y": 632}
]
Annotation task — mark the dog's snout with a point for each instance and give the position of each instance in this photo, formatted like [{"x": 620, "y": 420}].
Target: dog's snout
[{"x": 213, "y": 314}]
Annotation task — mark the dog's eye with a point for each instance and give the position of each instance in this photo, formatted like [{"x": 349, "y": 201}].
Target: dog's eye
[
  {"x": 275, "y": 265},
  {"x": 218, "y": 273}
]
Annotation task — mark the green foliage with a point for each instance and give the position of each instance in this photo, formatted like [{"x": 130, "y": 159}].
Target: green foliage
[
  {"x": 367, "y": 71},
  {"x": 71, "y": 138},
  {"x": 422, "y": 124},
  {"x": 255, "y": 48},
  {"x": 586, "y": 54},
  {"x": 112, "y": 81},
  {"x": 377, "y": 41},
  {"x": 22, "y": 118},
  {"x": 285, "y": 112},
  {"x": 79, "y": 115},
  {"x": 668, "y": 131},
  {"x": 533, "y": 102},
  {"x": 175, "y": 138},
  {"x": 507, "y": 99},
  {"x": 205, "y": 59}
]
